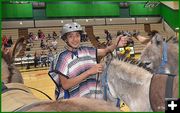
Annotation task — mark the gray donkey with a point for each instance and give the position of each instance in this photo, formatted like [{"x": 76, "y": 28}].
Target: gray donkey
[
  {"x": 137, "y": 87},
  {"x": 134, "y": 84},
  {"x": 159, "y": 54}
]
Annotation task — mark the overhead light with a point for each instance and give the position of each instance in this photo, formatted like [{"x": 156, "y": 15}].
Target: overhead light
[
  {"x": 110, "y": 19},
  {"x": 62, "y": 21},
  {"x": 20, "y": 23},
  {"x": 132, "y": 19},
  {"x": 177, "y": 29},
  {"x": 86, "y": 20},
  {"x": 146, "y": 19}
]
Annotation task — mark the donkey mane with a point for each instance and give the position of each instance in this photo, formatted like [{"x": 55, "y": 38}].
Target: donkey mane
[{"x": 130, "y": 73}]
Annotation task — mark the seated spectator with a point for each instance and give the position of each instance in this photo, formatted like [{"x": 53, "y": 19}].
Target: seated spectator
[
  {"x": 54, "y": 44},
  {"x": 43, "y": 59},
  {"x": 46, "y": 44},
  {"x": 42, "y": 45},
  {"x": 41, "y": 35},
  {"x": 50, "y": 57}
]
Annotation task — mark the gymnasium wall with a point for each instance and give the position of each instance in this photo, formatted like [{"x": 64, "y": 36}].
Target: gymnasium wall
[
  {"x": 84, "y": 10},
  {"x": 17, "y": 11},
  {"x": 79, "y": 10},
  {"x": 170, "y": 16},
  {"x": 139, "y": 10}
]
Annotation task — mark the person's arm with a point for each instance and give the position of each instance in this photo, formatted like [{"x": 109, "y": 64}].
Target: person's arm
[
  {"x": 68, "y": 83},
  {"x": 142, "y": 39},
  {"x": 119, "y": 42}
]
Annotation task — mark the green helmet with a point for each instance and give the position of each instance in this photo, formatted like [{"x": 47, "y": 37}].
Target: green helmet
[{"x": 70, "y": 27}]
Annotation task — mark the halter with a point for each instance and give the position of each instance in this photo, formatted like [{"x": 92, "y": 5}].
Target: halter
[
  {"x": 105, "y": 84},
  {"x": 105, "y": 79},
  {"x": 164, "y": 60}
]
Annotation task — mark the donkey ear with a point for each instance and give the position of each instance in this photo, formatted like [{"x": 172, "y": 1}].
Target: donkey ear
[
  {"x": 18, "y": 47},
  {"x": 157, "y": 39}
]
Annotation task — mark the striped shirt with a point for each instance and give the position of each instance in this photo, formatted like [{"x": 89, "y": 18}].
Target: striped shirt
[{"x": 71, "y": 64}]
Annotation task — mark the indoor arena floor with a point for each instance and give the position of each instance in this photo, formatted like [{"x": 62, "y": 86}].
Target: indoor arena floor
[{"x": 40, "y": 80}]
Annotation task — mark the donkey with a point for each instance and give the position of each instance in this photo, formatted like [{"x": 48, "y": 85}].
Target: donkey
[
  {"x": 160, "y": 56},
  {"x": 138, "y": 88},
  {"x": 9, "y": 72},
  {"x": 17, "y": 97}
]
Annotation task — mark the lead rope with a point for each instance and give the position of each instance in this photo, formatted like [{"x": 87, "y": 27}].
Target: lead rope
[{"x": 108, "y": 64}]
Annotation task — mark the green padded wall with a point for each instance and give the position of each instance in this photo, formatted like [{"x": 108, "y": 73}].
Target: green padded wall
[
  {"x": 170, "y": 16},
  {"x": 140, "y": 10},
  {"x": 17, "y": 11},
  {"x": 82, "y": 10}
]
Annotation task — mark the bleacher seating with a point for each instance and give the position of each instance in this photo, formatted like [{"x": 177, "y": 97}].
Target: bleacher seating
[{"x": 98, "y": 31}]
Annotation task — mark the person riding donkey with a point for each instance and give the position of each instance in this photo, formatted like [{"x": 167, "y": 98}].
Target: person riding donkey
[{"x": 75, "y": 70}]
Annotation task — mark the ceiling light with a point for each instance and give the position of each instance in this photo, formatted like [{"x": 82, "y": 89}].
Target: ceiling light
[{"x": 20, "y": 23}]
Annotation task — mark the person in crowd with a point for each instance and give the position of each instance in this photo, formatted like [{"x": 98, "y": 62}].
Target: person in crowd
[
  {"x": 9, "y": 41},
  {"x": 108, "y": 37},
  {"x": 54, "y": 35}
]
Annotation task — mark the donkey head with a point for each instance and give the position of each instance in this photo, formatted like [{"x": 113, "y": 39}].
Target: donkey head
[
  {"x": 9, "y": 71},
  {"x": 152, "y": 53}
]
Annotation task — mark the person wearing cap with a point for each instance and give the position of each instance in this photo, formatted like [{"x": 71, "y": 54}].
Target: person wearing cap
[{"x": 77, "y": 68}]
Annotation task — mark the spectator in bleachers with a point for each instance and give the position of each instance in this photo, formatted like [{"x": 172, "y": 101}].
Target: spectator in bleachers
[
  {"x": 54, "y": 44},
  {"x": 42, "y": 45},
  {"x": 36, "y": 59},
  {"x": 108, "y": 37},
  {"x": 41, "y": 35},
  {"x": 76, "y": 67},
  {"x": 50, "y": 56},
  {"x": 43, "y": 59},
  {"x": 84, "y": 37},
  {"x": 30, "y": 39},
  {"x": 4, "y": 41},
  {"x": 36, "y": 37},
  {"x": 9, "y": 41},
  {"x": 49, "y": 37},
  {"x": 46, "y": 43},
  {"x": 54, "y": 35},
  {"x": 28, "y": 59}
]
